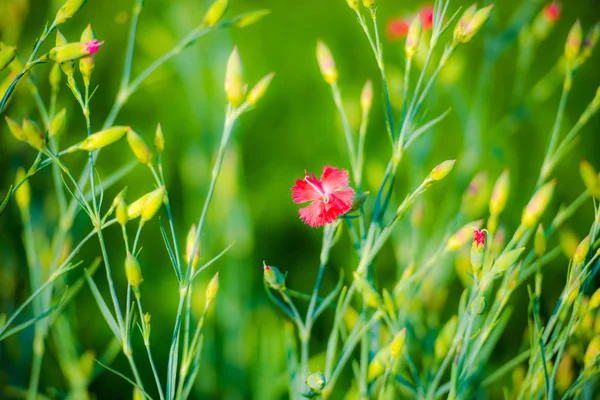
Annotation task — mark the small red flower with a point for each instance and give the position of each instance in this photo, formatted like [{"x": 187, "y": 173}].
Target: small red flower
[
  {"x": 426, "y": 14},
  {"x": 552, "y": 11},
  {"x": 397, "y": 28},
  {"x": 92, "y": 46},
  {"x": 479, "y": 236},
  {"x": 330, "y": 196}
]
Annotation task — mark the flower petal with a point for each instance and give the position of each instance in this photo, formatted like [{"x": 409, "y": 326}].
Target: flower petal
[
  {"x": 333, "y": 178},
  {"x": 314, "y": 214},
  {"x": 303, "y": 191}
]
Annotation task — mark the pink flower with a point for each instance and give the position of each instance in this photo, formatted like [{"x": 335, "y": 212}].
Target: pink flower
[
  {"x": 479, "y": 237},
  {"x": 552, "y": 11},
  {"x": 330, "y": 196},
  {"x": 92, "y": 46},
  {"x": 426, "y": 14}
]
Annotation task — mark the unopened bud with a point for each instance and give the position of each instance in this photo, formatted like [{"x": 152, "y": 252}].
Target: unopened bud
[
  {"x": 15, "y": 129},
  {"x": 545, "y": 20},
  {"x": 67, "y": 66},
  {"x": 589, "y": 42},
  {"x": 537, "y": 205},
  {"x": 73, "y": 51},
  {"x": 366, "y": 96},
  {"x": 102, "y": 139},
  {"x": 478, "y": 249},
  {"x": 159, "y": 140},
  {"x": 370, "y": 4},
  {"x": 357, "y": 201},
  {"x": 58, "y": 123},
  {"x": 353, "y": 4},
  {"x": 478, "y": 306},
  {"x": 366, "y": 289},
  {"x": 33, "y": 134},
  {"x": 476, "y": 197},
  {"x": 573, "y": 44},
  {"x": 215, "y": 13},
  {"x": 234, "y": 85},
  {"x": 316, "y": 382},
  {"x": 23, "y": 194},
  {"x": 442, "y": 170},
  {"x": 594, "y": 300},
  {"x": 138, "y": 147},
  {"x": 55, "y": 75},
  {"x": 121, "y": 211},
  {"x": 397, "y": 344},
  {"x": 470, "y": 23},
  {"x": 189, "y": 247},
  {"x": 259, "y": 90},
  {"x": 212, "y": 288},
  {"x": 326, "y": 63},
  {"x": 68, "y": 10},
  {"x": 590, "y": 179},
  {"x": 462, "y": 236},
  {"x": 87, "y": 63},
  {"x": 539, "y": 241},
  {"x": 7, "y": 54},
  {"x": 377, "y": 365},
  {"x": 507, "y": 260},
  {"x": 413, "y": 37},
  {"x": 591, "y": 354},
  {"x": 153, "y": 203},
  {"x": 274, "y": 278},
  {"x": 137, "y": 394},
  {"x": 581, "y": 252},
  {"x": 247, "y": 19},
  {"x": 133, "y": 271},
  {"x": 500, "y": 193}
]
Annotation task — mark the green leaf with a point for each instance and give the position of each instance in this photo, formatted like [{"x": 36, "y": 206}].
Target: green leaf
[
  {"x": 108, "y": 317},
  {"x": 215, "y": 258},
  {"x": 6, "y": 199},
  {"x": 169, "y": 249},
  {"x": 114, "y": 371}
]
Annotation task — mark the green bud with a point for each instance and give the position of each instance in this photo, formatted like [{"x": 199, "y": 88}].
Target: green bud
[
  {"x": 507, "y": 260},
  {"x": 121, "y": 212},
  {"x": 442, "y": 170},
  {"x": 133, "y": 271},
  {"x": 34, "y": 135},
  {"x": 413, "y": 37},
  {"x": 539, "y": 241},
  {"x": 58, "y": 123},
  {"x": 274, "y": 278},
  {"x": 500, "y": 193},
  {"x": 234, "y": 85},
  {"x": 537, "y": 205},
  {"x": 573, "y": 44},
  {"x": 368, "y": 292},
  {"x": 582, "y": 249},
  {"x": 215, "y": 13},
  {"x": 478, "y": 306},
  {"x": 463, "y": 235},
  {"x": 366, "y": 96},
  {"x": 159, "y": 140},
  {"x": 68, "y": 10},
  {"x": 153, "y": 203},
  {"x": 244, "y": 20},
  {"x": 55, "y": 75},
  {"x": 445, "y": 337},
  {"x": 213, "y": 288},
  {"x": 397, "y": 344},
  {"x": 15, "y": 129},
  {"x": 326, "y": 63},
  {"x": 101, "y": 139},
  {"x": 259, "y": 90},
  {"x": 138, "y": 147},
  {"x": 316, "y": 382},
  {"x": 7, "y": 54},
  {"x": 370, "y": 4}
]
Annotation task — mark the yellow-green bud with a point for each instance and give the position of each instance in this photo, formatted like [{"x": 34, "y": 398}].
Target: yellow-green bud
[
  {"x": 15, "y": 129},
  {"x": 500, "y": 193},
  {"x": 55, "y": 75},
  {"x": 73, "y": 51},
  {"x": 234, "y": 85},
  {"x": 582, "y": 249},
  {"x": 121, "y": 212},
  {"x": 590, "y": 179},
  {"x": 250, "y": 18},
  {"x": 133, "y": 271},
  {"x": 102, "y": 139},
  {"x": 589, "y": 42},
  {"x": 33, "y": 134},
  {"x": 445, "y": 337},
  {"x": 397, "y": 344},
  {"x": 463, "y": 235},
  {"x": 591, "y": 354},
  {"x": 370, "y": 4},
  {"x": 153, "y": 203},
  {"x": 478, "y": 306},
  {"x": 366, "y": 96},
  {"x": 68, "y": 10},
  {"x": 537, "y": 205},
  {"x": 316, "y": 382},
  {"x": 507, "y": 260},
  {"x": 594, "y": 300},
  {"x": 87, "y": 63},
  {"x": 189, "y": 247},
  {"x": 159, "y": 140},
  {"x": 377, "y": 365},
  {"x": 573, "y": 44},
  {"x": 539, "y": 241},
  {"x": 368, "y": 292},
  {"x": 7, "y": 54},
  {"x": 413, "y": 37},
  {"x": 478, "y": 250},
  {"x": 213, "y": 288},
  {"x": 259, "y": 90},
  {"x": 326, "y": 63},
  {"x": 67, "y": 66},
  {"x": 137, "y": 394},
  {"x": 138, "y": 147},
  {"x": 215, "y": 13},
  {"x": 274, "y": 278},
  {"x": 23, "y": 194},
  {"x": 442, "y": 170},
  {"x": 470, "y": 23},
  {"x": 353, "y": 4},
  {"x": 58, "y": 123}
]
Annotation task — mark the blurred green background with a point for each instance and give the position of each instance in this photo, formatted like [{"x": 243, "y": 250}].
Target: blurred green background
[{"x": 295, "y": 127}]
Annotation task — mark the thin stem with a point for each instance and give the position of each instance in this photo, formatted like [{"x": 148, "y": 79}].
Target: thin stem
[{"x": 347, "y": 132}]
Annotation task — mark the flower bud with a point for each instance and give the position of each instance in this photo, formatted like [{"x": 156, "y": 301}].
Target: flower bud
[
  {"x": 460, "y": 238},
  {"x": 366, "y": 96},
  {"x": 68, "y": 10},
  {"x": 591, "y": 354},
  {"x": 15, "y": 129},
  {"x": 133, "y": 271},
  {"x": 442, "y": 170},
  {"x": 189, "y": 247},
  {"x": 212, "y": 288},
  {"x": 413, "y": 37},
  {"x": 326, "y": 63},
  {"x": 87, "y": 64},
  {"x": 594, "y": 300},
  {"x": 316, "y": 382},
  {"x": 377, "y": 365},
  {"x": 138, "y": 147},
  {"x": 250, "y": 18},
  {"x": 274, "y": 278},
  {"x": 471, "y": 23},
  {"x": 538, "y": 204},
  {"x": 215, "y": 13},
  {"x": 23, "y": 194},
  {"x": 588, "y": 44},
  {"x": 539, "y": 241},
  {"x": 357, "y": 201},
  {"x": 366, "y": 289},
  {"x": 551, "y": 11},
  {"x": 73, "y": 51},
  {"x": 137, "y": 394},
  {"x": 102, "y": 139},
  {"x": 33, "y": 134},
  {"x": 159, "y": 140},
  {"x": 573, "y": 44},
  {"x": 121, "y": 211},
  {"x": 444, "y": 338},
  {"x": 353, "y": 4},
  {"x": 153, "y": 203},
  {"x": 397, "y": 344},
  {"x": 582, "y": 249},
  {"x": 546, "y": 20},
  {"x": 7, "y": 54},
  {"x": 58, "y": 123},
  {"x": 67, "y": 66},
  {"x": 55, "y": 75},
  {"x": 370, "y": 4},
  {"x": 234, "y": 85},
  {"x": 478, "y": 249},
  {"x": 500, "y": 193},
  {"x": 507, "y": 260},
  {"x": 259, "y": 90},
  {"x": 478, "y": 306},
  {"x": 590, "y": 179}
]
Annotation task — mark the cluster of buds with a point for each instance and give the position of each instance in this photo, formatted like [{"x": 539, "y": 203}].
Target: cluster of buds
[
  {"x": 7, "y": 54},
  {"x": 146, "y": 206},
  {"x": 28, "y": 132},
  {"x": 537, "y": 205},
  {"x": 326, "y": 63},
  {"x": 470, "y": 23},
  {"x": 236, "y": 89},
  {"x": 274, "y": 278}
]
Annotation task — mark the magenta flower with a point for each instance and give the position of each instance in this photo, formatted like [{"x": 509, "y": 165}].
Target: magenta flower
[
  {"x": 92, "y": 46},
  {"x": 479, "y": 236},
  {"x": 330, "y": 196}
]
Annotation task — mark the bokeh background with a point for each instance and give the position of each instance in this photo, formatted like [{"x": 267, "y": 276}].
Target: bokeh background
[{"x": 295, "y": 127}]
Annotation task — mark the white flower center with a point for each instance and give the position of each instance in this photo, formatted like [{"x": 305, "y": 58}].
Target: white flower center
[{"x": 324, "y": 196}]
